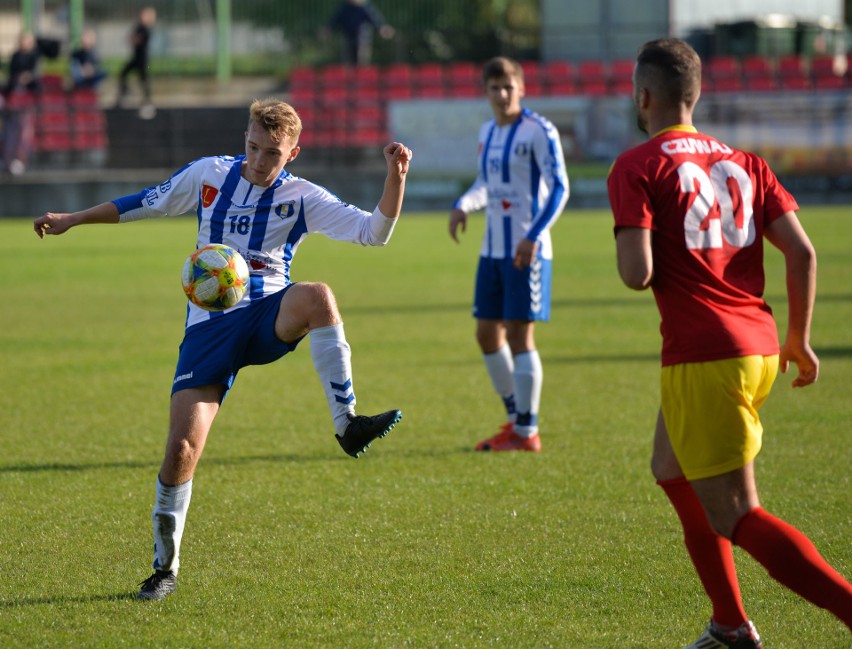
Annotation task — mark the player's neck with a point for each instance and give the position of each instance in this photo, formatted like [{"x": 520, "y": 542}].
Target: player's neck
[
  {"x": 504, "y": 119},
  {"x": 669, "y": 120}
]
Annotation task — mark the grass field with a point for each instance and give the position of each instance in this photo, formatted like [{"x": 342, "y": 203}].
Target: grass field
[{"x": 420, "y": 543}]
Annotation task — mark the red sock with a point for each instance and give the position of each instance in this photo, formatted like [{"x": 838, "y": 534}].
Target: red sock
[
  {"x": 711, "y": 554},
  {"x": 791, "y": 559}
]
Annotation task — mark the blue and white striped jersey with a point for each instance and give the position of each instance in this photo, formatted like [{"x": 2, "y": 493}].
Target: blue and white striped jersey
[
  {"x": 266, "y": 224},
  {"x": 522, "y": 184}
]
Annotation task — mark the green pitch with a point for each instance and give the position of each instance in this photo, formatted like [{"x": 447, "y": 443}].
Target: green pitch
[{"x": 420, "y": 543}]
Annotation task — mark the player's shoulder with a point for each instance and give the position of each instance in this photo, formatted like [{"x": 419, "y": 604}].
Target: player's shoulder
[
  {"x": 537, "y": 121},
  {"x": 640, "y": 154}
]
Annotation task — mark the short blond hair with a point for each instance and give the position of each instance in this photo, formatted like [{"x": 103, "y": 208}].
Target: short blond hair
[{"x": 277, "y": 117}]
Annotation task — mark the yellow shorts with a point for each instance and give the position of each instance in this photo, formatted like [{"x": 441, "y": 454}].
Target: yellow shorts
[{"x": 710, "y": 410}]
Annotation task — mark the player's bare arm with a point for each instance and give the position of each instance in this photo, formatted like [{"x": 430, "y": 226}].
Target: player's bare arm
[
  {"x": 634, "y": 256},
  {"x": 59, "y": 222},
  {"x": 458, "y": 218},
  {"x": 525, "y": 253},
  {"x": 398, "y": 157},
  {"x": 787, "y": 234}
]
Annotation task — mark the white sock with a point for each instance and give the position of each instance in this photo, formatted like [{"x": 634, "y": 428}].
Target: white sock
[
  {"x": 528, "y": 376},
  {"x": 333, "y": 362},
  {"x": 169, "y": 517},
  {"x": 500, "y": 366}
]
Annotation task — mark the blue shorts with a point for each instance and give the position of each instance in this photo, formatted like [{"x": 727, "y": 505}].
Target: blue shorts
[
  {"x": 505, "y": 293},
  {"x": 213, "y": 352}
]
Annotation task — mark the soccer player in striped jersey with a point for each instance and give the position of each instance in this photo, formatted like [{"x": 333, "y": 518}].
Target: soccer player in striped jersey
[
  {"x": 251, "y": 203},
  {"x": 523, "y": 186},
  {"x": 691, "y": 216}
]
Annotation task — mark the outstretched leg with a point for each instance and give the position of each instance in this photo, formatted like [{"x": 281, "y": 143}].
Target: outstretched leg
[{"x": 310, "y": 308}]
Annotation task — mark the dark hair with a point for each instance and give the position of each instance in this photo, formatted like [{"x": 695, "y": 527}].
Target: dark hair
[
  {"x": 501, "y": 66},
  {"x": 670, "y": 68}
]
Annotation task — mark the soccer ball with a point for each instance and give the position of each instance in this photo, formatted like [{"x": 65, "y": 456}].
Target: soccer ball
[{"x": 215, "y": 277}]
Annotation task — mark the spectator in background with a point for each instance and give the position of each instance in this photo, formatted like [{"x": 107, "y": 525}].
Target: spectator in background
[
  {"x": 22, "y": 85},
  {"x": 23, "y": 66},
  {"x": 140, "y": 39},
  {"x": 356, "y": 20},
  {"x": 86, "y": 69}
]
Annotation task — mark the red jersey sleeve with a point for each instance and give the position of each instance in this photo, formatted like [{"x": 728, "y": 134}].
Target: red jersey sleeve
[{"x": 630, "y": 195}]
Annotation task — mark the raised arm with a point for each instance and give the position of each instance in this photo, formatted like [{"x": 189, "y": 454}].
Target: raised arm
[
  {"x": 59, "y": 222},
  {"x": 787, "y": 234},
  {"x": 398, "y": 156}
]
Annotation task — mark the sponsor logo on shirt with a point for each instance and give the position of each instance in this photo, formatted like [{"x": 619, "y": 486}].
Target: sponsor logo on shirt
[{"x": 208, "y": 195}]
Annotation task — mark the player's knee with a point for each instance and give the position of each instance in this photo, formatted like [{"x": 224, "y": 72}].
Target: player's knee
[{"x": 321, "y": 304}]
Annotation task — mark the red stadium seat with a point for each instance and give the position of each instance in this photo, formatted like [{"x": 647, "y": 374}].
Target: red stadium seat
[
  {"x": 335, "y": 95},
  {"x": 757, "y": 68},
  {"x": 731, "y": 84},
  {"x": 561, "y": 87},
  {"x": 761, "y": 83},
  {"x": 83, "y": 98},
  {"x": 463, "y": 79},
  {"x": 53, "y": 142},
  {"x": 429, "y": 80},
  {"x": 399, "y": 92},
  {"x": 302, "y": 77},
  {"x": 53, "y": 100},
  {"x": 398, "y": 75},
  {"x": 367, "y": 76},
  {"x": 795, "y": 82},
  {"x": 593, "y": 88},
  {"x": 89, "y": 141},
  {"x": 829, "y": 72},
  {"x": 592, "y": 71},
  {"x": 830, "y": 83},
  {"x": 722, "y": 68},
  {"x": 90, "y": 121},
  {"x": 533, "y": 88},
  {"x": 474, "y": 90},
  {"x": 52, "y": 83},
  {"x": 303, "y": 96},
  {"x": 790, "y": 65},
  {"x": 368, "y": 117},
  {"x": 532, "y": 71},
  {"x": 53, "y": 121},
  {"x": 554, "y": 72},
  {"x": 757, "y": 65},
  {"x": 20, "y": 101},
  {"x": 592, "y": 77},
  {"x": 334, "y": 76},
  {"x": 792, "y": 73}
]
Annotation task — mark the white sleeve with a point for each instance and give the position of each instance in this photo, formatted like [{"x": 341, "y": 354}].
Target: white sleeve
[
  {"x": 176, "y": 195},
  {"x": 326, "y": 214},
  {"x": 475, "y": 198}
]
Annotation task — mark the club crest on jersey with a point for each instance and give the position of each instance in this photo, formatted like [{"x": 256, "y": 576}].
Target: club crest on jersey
[
  {"x": 286, "y": 210},
  {"x": 522, "y": 149},
  {"x": 208, "y": 195}
]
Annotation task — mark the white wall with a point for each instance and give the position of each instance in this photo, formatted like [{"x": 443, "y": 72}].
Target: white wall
[{"x": 580, "y": 29}]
